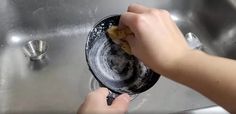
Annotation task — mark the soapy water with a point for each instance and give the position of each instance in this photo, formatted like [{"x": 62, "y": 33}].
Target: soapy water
[
  {"x": 113, "y": 63},
  {"x": 109, "y": 58}
]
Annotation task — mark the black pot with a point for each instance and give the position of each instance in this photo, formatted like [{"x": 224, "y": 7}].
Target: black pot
[{"x": 111, "y": 66}]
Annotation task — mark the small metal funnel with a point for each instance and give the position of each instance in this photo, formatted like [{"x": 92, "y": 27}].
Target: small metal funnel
[{"x": 35, "y": 49}]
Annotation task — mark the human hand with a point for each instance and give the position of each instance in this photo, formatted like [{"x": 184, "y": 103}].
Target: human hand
[
  {"x": 96, "y": 103},
  {"x": 157, "y": 41}
]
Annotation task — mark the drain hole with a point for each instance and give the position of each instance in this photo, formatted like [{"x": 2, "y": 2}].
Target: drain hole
[{"x": 94, "y": 84}]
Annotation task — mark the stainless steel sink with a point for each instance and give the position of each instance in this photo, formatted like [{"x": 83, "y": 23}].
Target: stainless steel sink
[{"x": 61, "y": 85}]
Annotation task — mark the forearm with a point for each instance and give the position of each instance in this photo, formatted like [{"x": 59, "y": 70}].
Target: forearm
[
  {"x": 159, "y": 44},
  {"x": 214, "y": 77}
]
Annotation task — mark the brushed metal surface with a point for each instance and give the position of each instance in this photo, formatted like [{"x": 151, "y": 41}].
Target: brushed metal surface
[{"x": 61, "y": 85}]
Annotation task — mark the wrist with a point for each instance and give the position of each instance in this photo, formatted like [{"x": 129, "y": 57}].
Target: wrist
[{"x": 179, "y": 62}]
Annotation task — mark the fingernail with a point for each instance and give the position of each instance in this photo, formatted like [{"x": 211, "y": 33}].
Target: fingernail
[{"x": 126, "y": 97}]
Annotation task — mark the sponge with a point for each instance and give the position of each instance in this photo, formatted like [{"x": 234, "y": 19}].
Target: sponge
[{"x": 117, "y": 36}]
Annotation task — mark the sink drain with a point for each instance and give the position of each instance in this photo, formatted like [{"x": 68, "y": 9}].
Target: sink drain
[{"x": 94, "y": 84}]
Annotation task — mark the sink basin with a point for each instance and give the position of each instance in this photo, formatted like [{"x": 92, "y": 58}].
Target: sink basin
[{"x": 60, "y": 84}]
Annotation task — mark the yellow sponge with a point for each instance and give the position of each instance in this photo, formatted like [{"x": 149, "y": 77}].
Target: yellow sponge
[{"x": 118, "y": 36}]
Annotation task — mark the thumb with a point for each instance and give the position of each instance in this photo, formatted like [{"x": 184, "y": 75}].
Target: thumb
[
  {"x": 130, "y": 39},
  {"x": 121, "y": 103}
]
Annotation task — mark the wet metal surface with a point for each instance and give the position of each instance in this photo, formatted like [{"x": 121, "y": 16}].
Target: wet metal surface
[{"x": 60, "y": 85}]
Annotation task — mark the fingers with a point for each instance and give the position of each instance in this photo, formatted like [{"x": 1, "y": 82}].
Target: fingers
[
  {"x": 121, "y": 103},
  {"x": 103, "y": 92},
  {"x": 95, "y": 101},
  {"x": 131, "y": 15},
  {"x": 99, "y": 95},
  {"x": 136, "y": 8},
  {"x": 130, "y": 39},
  {"x": 127, "y": 19}
]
